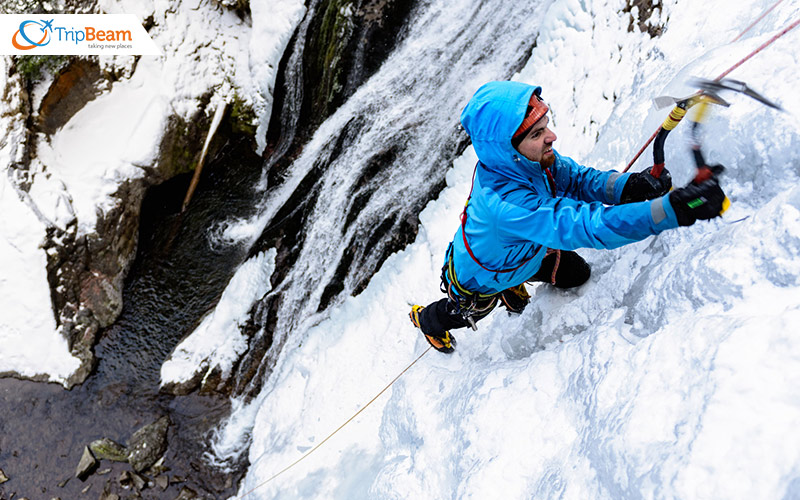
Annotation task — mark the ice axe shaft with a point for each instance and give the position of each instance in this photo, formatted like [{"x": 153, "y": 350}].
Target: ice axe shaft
[{"x": 705, "y": 171}]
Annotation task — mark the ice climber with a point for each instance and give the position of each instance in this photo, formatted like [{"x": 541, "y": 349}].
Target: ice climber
[{"x": 530, "y": 207}]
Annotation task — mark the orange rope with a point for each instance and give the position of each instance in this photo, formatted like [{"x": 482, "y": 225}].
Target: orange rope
[
  {"x": 555, "y": 266},
  {"x": 312, "y": 450}
]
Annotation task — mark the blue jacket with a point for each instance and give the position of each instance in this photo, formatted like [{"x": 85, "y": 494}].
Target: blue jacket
[{"x": 512, "y": 216}]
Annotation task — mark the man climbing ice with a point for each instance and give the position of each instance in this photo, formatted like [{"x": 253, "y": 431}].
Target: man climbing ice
[{"x": 531, "y": 207}]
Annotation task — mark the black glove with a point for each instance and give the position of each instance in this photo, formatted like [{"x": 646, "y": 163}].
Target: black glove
[
  {"x": 702, "y": 200},
  {"x": 643, "y": 186}
]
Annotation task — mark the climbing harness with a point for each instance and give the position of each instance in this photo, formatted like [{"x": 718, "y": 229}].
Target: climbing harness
[
  {"x": 469, "y": 304},
  {"x": 312, "y": 450},
  {"x": 679, "y": 111}
]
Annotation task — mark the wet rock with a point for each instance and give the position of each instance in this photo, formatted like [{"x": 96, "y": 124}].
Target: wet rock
[
  {"x": 109, "y": 496},
  {"x": 3, "y": 477},
  {"x": 159, "y": 468},
  {"x": 346, "y": 43},
  {"x": 87, "y": 465},
  {"x": 125, "y": 479},
  {"x": 106, "y": 449},
  {"x": 131, "y": 479},
  {"x": 138, "y": 482},
  {"x": 147, "y": 444},
  {"x": 80, "y": 82},
  {"x": 186, "y": 494},
  {"x": 162, "y": 482}
]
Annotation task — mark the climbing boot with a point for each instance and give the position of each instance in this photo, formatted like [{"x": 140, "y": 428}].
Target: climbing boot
[
  {"x": 445, "y": 343},
  {"x": 515, "y": 298}
]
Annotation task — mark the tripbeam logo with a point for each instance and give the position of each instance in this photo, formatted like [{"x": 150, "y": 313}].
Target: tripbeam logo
[
  {"x": 46, "y": 30},
  {"x": 74, "y": 34}
]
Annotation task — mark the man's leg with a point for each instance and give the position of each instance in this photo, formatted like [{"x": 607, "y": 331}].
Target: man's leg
[
  {"x": 437, "y": 319},
  {"x": 572, "y": 270}
]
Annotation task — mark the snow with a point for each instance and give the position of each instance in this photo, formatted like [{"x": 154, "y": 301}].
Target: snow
[
  {"x": 133, "y": 114},
  {"x": 673, "y": 373},
  {"x": 74, "y": 175},
  {"x": 218, "y": 342},
  {"x": 24, "y": 290}
]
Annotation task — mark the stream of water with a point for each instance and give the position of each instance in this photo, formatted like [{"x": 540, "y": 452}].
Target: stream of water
[{"x": 176, "y": 277}]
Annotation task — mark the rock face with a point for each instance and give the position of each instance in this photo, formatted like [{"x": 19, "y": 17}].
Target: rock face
[
  {"x": 78, "y": 83},
  {"x": 347, "y": 42},
  {"x": 86, "y": 271},
  {"x": 148, "y": 444}
]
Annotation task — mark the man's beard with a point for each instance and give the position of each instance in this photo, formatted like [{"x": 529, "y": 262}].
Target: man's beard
[{"x": 547, "y": 160}]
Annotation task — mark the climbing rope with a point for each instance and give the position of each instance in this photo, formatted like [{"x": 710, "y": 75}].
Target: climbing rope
[
  {"x": 762, "y": 16},
  {"x": 312, "y": 450},
  {"x": 727, "y": 72}
]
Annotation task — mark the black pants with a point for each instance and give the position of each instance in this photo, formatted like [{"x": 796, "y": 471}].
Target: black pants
[{"x": 445, "y": 314}]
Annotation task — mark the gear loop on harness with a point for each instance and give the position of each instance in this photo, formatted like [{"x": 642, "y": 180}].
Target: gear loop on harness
[{"x": 468, "y": 304}]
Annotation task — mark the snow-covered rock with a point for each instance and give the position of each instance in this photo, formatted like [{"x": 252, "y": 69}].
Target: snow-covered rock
[{"x": 74, "y": 190}]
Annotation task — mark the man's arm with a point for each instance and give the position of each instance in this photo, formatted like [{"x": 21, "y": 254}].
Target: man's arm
[
  {"x": 568, "y": 224},
  {"x": 587, "y": 184}
]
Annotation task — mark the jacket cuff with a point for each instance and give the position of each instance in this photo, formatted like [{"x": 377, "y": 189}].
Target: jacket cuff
[
  {"x": 614, "y": 186},
  {"x": 663, "y": 214}
]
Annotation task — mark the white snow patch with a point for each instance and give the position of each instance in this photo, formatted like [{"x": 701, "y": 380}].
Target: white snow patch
[
  {"x": 30, "y": 344},
  {"x": 218, "y": 342}
]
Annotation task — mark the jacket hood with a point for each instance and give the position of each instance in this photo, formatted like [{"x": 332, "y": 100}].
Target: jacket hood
[{"x": 490, "y": 118}]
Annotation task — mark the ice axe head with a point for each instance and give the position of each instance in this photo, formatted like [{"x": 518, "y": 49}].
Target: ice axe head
[{"x": 713, "y": 86}]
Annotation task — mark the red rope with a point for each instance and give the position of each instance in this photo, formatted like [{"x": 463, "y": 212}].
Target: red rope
[
  {"x": 724, "y": 74},
  {"x": 759, "y": 49},
  {"x": 762, "y": 16},
  {"x": 555, "y": 266}
]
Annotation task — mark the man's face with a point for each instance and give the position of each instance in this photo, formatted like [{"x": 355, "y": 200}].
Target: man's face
[{"x": 537, "y": 145}]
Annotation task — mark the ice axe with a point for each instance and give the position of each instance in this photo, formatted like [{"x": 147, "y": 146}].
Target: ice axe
[
  {"x": 708, "y": 93},
  {"x": 704, "y": 170},
  {"x": 682, "y": 105}
]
